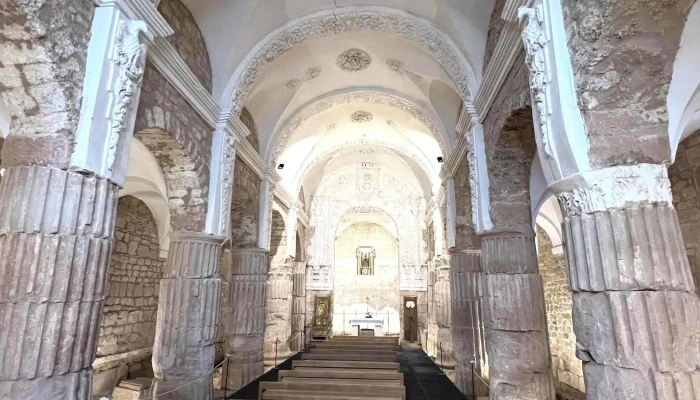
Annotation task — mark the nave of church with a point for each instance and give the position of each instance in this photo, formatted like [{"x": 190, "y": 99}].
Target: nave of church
[{"x": 195, "y": 192}]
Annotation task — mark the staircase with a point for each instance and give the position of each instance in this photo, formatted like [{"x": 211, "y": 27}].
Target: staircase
[{"x": 345, "y": 367}]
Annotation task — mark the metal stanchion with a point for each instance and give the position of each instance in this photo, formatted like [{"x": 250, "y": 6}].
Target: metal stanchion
[
  {"x": 473, "y": 387},
  {"x": 276, "y": 341},
  {"x": 441, "y": 363},
  {"x": 228, "y": 366}
]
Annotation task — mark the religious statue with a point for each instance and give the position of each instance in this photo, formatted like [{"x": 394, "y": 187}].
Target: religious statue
[{"x": 365, "y": 260}]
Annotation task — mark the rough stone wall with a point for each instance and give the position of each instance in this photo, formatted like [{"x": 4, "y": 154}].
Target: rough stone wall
[
  {"x": 181, "y": 142},
  {"x": 302, "y": 242},
  {"x": 187, "y": 39},
  {"x": 622, "y": 54},
  {"x": 510, "y": 147},
  {"x": 129, "y": 316},
  {"x": 249, "y": 122},
  {"x": 495, "y": 29},
  {"x": 466, "y": 235},
  {"x": 278, "y": 234},
  {"x": 685, "y": 184},
  {"x": 44, "y": 50},
  {"x": 567, "y": 369},
  {"x": 245, "y": 206}
]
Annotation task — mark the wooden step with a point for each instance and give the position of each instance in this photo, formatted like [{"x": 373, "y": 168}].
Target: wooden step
[
  {"x": 361, "y": 346},
  {"x": 394, "y": 366},
  {"x": 370, "y": 376},
  {"x": 333, "y": 381},
  {"x": 348, "y": 357},
  {"x": 351, "y": 351},
  {"x": 294, "y": 395},
  {"x": 365, "y": 339},
  {"x": 350, "y": 391}
]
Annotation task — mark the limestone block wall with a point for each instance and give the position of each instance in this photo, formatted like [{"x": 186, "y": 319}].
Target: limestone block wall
[
  {"x": 566, "y": 368},
  {"x": 351, "y": 290},
  {"x": 44, "y": 55},
  {"x": 129, "y": 316},
  {"x": 685, "y": 185},
  {"x": 465, "y": 233},
  {"x": 187, "y": 39},
  {"x": 495, "y": 28},
  {"x": 249, "y": 122}
]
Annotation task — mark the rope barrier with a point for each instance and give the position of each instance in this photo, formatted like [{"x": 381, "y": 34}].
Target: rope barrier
[{"x": 460, "y": 365}]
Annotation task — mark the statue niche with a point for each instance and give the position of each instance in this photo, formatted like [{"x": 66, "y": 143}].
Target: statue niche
[{"x": 365, "y": 260}]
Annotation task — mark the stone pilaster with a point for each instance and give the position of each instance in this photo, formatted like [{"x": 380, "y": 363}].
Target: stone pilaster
[
  {"x": 188, "y": 306},
  {"x": 635, "y": 313},
  {"x": 298, "y": 306},
  {"x": 514, "y": 318},
  {"x": 279, "y": 311},
  {"x": 56, "y": 230},
  {"x": 467, "y": 320},
  {"x": 245, "y": 325},
  {"x": 443, "y": 314}
]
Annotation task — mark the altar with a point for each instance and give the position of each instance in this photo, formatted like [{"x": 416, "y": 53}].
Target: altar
[{"x": 359, "y": 324}]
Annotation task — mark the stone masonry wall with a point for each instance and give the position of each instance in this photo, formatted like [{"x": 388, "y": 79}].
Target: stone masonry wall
[
  {"x": 495, "y": 29},
  {"x": 129, "y": 317},
  {"x": 249, "y": 122},
  {"x": 685, "y": 185},
  {"x": 622, "y": 54},
  {"x": 187, "y": 39},
  {"x": 567, "y": 369},
  {"x": 44, "y": 50},
  {"x": 181, "y": 142},
  {"x": 466, "y": 235},
  {"x": 245, "y": 206}
]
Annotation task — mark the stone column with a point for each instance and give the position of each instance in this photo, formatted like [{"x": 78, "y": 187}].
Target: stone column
[
  {"x": 188, "y": 306},
  {"x": 298, "y": 306},
  {"x": 443, "y": 314},
  {"x": 56, "y": 231},
  {"x": 635, "y": 313},
  {"x": 467, "y": 320},
  {"x": 514, "y": 318},
  {"x": 279, "y": 312},
  {"x": 245, "y": 325}
]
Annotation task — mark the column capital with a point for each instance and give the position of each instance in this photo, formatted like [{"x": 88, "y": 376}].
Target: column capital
[{"x": 613, "y": 188}]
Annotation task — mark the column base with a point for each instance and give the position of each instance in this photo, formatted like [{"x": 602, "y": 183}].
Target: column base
[
  {"x": 71, "y": 386},
  {"x": 200, "y": 389}
]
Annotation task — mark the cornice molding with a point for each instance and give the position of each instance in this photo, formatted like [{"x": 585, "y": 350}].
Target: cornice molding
[{"x": 507, "y": 49}]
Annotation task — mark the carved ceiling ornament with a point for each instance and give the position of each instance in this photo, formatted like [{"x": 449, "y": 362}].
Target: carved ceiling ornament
[
  {"x": 311, "y": 73},
  {"x": 614, "y": 188},
  {"x": 130, "y": 58},
  {"x": 399, "y": 67},
  {"x": 384, "y": 20},
  {"x": 365, "y": 96},
  {"x": 534, "y": 41},
  {"x": 354, "y": 60},
  {"x": 361, "y": 117},
  {"x": 306, "y": 167}
]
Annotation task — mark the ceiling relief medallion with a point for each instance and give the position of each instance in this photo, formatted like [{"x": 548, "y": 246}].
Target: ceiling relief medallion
[
  {"x": 399, "y": 67},
  {"x": 311, "y": 73},
  {"x": 354, "y": 60},
  {"x": 366, "y": 150},
  {"x": 361, "y": 117}
]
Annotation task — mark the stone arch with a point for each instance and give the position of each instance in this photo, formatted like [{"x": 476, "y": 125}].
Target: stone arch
[
  {"x": 41, "y": 82},
  {"x": 369, "y": 96},
  {"x": 187, "y": 189},
  {"x": 338, "y": 20},
  {"x": 684, "y": 175},
  {"x": 187, "y": 40},
  {"x": 128, "y": 327}
]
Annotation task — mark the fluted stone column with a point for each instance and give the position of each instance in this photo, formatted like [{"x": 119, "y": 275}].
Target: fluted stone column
[
  {"x": 298, "y": 306},
  {"x": 56, "y": 230},
  {"x": 443, "y": 315},
  {"x": 636, "y": 315},
  {"x": 467, "y": 320},
  {"x": 279, "y": 312},
  {"x": 245, "y": 325},
  {"x": 514, "y": 318},
  {"x": 188, "y": 306}
]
